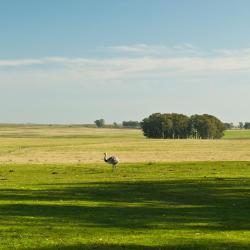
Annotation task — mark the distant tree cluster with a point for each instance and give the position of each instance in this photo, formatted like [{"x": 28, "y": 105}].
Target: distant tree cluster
[
  {"x": 131, "y": 124},
  {"x": 179, "y": 126},
  {"x": 245, "y": 125},
  {"x": 241, "y": 125},
  {"x": 100, "y": 123},
  {"x": 229, "y": 125}
]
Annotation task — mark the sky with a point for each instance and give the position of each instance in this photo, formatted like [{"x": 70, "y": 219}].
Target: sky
[{"x": 77, "y": 61}]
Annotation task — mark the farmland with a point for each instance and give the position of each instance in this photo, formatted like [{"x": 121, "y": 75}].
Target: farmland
[{"x": 56, "y": 192}]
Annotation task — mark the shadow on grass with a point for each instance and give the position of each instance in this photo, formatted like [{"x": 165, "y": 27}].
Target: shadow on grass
[
  {"x": 180, "y": 204},
  {"x": 206, "y": 245}
]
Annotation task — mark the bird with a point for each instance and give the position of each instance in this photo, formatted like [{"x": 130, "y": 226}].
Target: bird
[{"x": 113, "y": 160}]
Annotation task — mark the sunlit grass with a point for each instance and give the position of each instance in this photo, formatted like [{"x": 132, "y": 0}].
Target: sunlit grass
[
  {"x": 76, "y": 144},
  {"x": 139, "y": 206},
  {"x": 63, "y": 196},
  {"x": 57, "y": 193},
  {"x": 237, "y": 134}
]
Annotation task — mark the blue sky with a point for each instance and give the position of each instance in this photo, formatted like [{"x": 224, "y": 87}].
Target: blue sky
[{"x": 77, "y": 61}]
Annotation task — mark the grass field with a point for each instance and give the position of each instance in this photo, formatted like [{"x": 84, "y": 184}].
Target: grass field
[
  {"x": 56, "y": 193},
  {"x": 140, "y": 206},
  {"x": 64, "y": 144},
  {"x": 237, "y": 134}
]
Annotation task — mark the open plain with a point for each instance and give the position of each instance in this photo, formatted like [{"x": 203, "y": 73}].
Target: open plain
[
  {"x": 76, "y": 144},
  {"x": 57, "y": 193}
]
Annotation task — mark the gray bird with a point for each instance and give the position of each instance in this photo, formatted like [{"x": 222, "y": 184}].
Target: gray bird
[{"x": 113, "y": 160}]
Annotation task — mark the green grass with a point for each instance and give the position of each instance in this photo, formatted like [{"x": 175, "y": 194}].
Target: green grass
[
  {"x": 56, "y": 192},
  {"x": 237, "y": 134},
  {"x": 139, "y": 206}
]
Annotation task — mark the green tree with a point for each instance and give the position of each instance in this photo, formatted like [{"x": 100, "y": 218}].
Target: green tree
[
  {"x": 115, "y": 125},
  {"x": 179, "y": 126},
  {"x": 169, "y": 126},
  {"x": 228, "y": 125},
  {"x": 247, "y": 125},
  {"x": 131, "y": 124},
  {"x": 153, "y": 126},
  {"x": 100, "y": 123},
  {"x": 207, "y": 126}
]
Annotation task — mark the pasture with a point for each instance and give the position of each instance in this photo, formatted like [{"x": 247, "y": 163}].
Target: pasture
[
  {"x": 75, "y": 144},
  {"x": 237, "y": 134},
  {"x": 56, "y": 193}
]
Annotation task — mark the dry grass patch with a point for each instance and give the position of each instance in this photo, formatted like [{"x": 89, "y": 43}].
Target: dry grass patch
[{"x": 66, "y": 144}]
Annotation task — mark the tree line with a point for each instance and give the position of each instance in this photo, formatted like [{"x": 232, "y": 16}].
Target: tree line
[
  {"x": 100, "y": 123},
  {"x": 241, "y": 125},
  {"x": 245, "y": 125},
  {"x": 179, "y": 126}
]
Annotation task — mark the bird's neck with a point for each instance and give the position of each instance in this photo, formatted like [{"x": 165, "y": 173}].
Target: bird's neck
[{"x": 105, "y": 158}]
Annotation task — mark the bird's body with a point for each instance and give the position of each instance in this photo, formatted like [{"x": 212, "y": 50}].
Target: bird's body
[{"x": 113, "y": 160}]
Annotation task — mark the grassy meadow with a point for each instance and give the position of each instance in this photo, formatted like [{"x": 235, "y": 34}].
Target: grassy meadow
[
  {"x": 57, "y": 193},
  {"x": 237, "y": 134},
  {"x": 75, "y": 144}
]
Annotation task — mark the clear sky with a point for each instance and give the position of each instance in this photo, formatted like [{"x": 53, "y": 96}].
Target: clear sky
[{"x": 77, "y": 61}]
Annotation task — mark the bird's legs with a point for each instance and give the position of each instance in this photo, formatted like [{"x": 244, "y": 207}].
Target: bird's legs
[{"x": 113, "y": 167}]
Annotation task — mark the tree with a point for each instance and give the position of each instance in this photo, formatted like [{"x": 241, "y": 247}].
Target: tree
[
  {"x": 115, "y": 125},
  {"x": 207, "y": 126},
  {"x": 131, "y": 124},
  {"x": 228, "y": 125},
  {"x": 100, "y": 123},
  {"x": 153, "y": 126},
  {"x": 179, "y": 126},
  {"x": 247, "y": 125},
  {"x": 169, "y": 126},
  {"x": 241, "y": 125}
]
